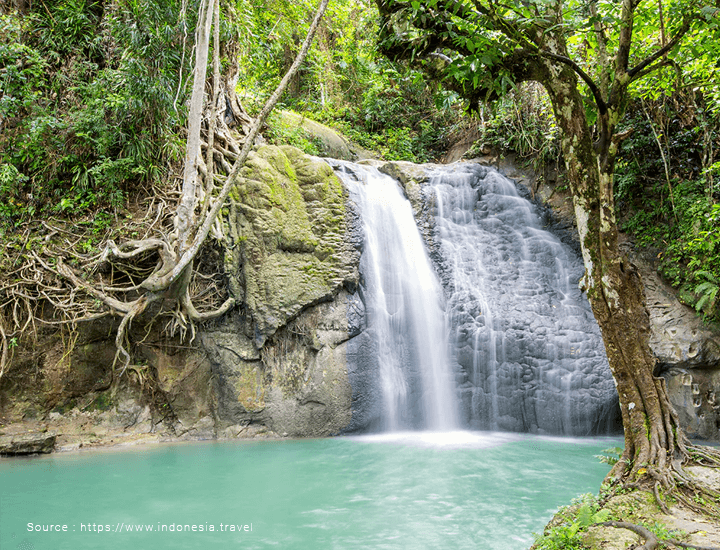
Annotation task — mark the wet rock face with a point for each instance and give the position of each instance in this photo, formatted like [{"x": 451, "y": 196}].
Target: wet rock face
[
  {"x": 688, "y": 354},
  {"x": 528, "y": 353}
]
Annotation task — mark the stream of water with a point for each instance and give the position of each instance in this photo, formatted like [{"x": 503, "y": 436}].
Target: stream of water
[
  {"x": 527, "y": 346},
  {"x": 506, "y": 342},
  {"x": 395, "y": 491}
]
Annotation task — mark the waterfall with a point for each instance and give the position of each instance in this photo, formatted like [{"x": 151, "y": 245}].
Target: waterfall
[
  {"x": 503, "y": 339},
  {"x": 525, "y": 341},
  {"x": 404, "y": 302}
]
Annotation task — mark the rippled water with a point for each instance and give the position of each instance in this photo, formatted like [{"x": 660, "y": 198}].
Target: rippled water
[{"x": 396, "y": 491}]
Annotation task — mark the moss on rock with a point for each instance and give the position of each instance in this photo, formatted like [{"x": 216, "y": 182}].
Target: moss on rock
[{"x": 287, "y": 230}]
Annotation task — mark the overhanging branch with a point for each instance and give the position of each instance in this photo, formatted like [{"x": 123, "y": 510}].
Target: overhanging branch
[
  {"x": 597, "y": 95},
  {"x": 634, "y": 73}
]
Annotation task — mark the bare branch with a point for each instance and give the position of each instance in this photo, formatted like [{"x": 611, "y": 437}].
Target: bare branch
[
  {"x": 212, "y": 122},
  {"x": 186, "y": 209},
  {"x": 652, "y": 68},
  {"x": 602, "y": 40},
  {"x": 622, "y": 57}
]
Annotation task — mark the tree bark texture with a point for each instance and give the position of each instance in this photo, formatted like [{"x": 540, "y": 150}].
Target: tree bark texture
[{"x": 614, "y": 287}]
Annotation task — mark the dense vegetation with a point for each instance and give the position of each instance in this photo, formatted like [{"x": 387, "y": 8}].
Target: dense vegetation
[
  {"x": 668, "y": 193},
  {"x": 93, "y": 101},
  {"x": 384, "y": 107},
  {"x": 94, "y": 94}
]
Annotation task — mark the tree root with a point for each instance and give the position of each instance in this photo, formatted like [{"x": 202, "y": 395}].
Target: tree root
[
  {"x": 659, "y": 500},
  {"x": 125, "y": 279},
  {"x": 651, "y": 539}
]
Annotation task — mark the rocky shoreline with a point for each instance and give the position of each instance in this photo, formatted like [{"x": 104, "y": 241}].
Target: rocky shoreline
[
  {"x": 636, "y": 506},
  {"x": 83, "y": 431}
]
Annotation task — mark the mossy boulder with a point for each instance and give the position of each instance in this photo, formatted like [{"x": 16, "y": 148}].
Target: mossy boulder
[
  {"x": 288, "y": 227},
  {"x": 329, "y": 142}
]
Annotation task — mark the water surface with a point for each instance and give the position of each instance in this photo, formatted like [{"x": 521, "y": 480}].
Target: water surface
[{"x": 412, "y": 490}]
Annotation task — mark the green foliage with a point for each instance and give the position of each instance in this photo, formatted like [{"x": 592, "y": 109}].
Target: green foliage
[
  {"x": 344, "y": 82},
  {"x": 611, "y": 456},
  {"x": 662, "y": 532},
  {"x": 568, "y": 535},
  {"x": 279, "y": 132},
  {"x": 679, "y": 219},
  {"x": 88, "y": 102},
  {"x": 707, "y": 291},
  {"x": 11, "y": 181},
  {"x": 523, "y": 122}
]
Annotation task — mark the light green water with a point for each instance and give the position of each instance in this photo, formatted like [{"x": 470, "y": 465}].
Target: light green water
[{"x": 479, "y": 491}]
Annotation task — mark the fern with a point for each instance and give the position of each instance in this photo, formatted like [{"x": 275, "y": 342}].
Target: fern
[{"x": 708, "y": 292}]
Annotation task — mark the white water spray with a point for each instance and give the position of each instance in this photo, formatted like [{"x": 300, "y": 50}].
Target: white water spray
[{"x": 405, "y": 307}]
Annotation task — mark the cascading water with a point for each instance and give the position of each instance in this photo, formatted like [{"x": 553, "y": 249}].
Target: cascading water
[
  {"x": 407, "y": 335},
  {"x": 528, "y": 349},
  {"x": 513, "y": 347}
]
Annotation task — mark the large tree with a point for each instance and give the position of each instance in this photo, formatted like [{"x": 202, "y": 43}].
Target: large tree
[{"x": 588, "y": 55}]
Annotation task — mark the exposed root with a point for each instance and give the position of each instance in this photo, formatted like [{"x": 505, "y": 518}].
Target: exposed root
[
  {"x": 673, "y": 481},
  {"x": 651, "y": 539},
  {"x": 79, "y": 283},
  {"x": 705, "y": 456},
  {"x": 659, "y": 500},
  {"x": 138, "y": 306},
  {"x": 4, "y": 346}
]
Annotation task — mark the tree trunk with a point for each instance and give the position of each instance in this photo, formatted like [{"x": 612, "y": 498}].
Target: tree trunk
[{"x": 615, "y": 291}]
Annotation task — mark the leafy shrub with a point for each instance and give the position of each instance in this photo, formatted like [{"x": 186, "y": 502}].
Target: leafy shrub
[
  {"x": 674, "y": 211},
  {"x": 584, "y": 512},
  {"x": 89, "y": 100},
  {"x": 523, "y": 122}
]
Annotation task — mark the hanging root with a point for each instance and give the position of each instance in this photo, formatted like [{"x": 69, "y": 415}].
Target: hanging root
[
  {"x": 136, "y": 309},
  {"x": 124, "y": 279},
  {"x": 4, "y": 346}
]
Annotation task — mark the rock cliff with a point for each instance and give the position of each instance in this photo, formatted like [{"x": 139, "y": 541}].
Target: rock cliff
[
  {"x": 276, "y": 364},
  {"x": 288, "y": 360}
]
